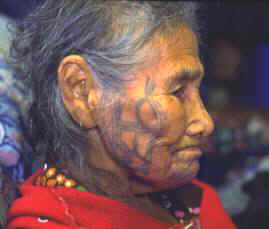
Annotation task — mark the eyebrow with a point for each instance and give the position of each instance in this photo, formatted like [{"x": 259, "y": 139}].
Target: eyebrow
[{"x": 186, "y": 75}]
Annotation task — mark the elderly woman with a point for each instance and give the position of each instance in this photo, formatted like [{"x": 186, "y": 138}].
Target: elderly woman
[{"x": 118, "y": 114}]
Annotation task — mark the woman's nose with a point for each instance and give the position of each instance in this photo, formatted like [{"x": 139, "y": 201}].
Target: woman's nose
[{"x": 200, "y": 122}]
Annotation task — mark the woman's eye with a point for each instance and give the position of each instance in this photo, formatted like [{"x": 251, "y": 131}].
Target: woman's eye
[{"x": 179, "y": 92}]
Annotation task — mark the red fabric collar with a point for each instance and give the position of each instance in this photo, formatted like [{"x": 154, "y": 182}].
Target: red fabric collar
[{"x": 64, "y": 208}]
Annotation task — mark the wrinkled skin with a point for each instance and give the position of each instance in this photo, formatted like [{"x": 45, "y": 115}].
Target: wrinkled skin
[{"x": 148, "y": 127}]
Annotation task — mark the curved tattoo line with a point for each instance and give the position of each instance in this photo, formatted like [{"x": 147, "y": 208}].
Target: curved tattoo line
[{"x": 138, "y": 127}]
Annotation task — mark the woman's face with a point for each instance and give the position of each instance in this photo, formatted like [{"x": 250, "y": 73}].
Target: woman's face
[{"x": 153, "y": 126}]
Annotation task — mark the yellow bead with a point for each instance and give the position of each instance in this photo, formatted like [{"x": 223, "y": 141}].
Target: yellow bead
[
  {"x": 69, "y": 183},
  {"x": 60, "y": 179}
]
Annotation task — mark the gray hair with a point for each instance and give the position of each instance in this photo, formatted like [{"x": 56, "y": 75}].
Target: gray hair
[{"x": 108, "y": 34}]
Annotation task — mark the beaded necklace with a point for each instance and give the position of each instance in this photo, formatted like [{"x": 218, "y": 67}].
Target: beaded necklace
[{"x": 182, "y": 203}]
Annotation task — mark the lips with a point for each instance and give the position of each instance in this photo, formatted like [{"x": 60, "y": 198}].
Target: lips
[{"x": 187, "y": 153}]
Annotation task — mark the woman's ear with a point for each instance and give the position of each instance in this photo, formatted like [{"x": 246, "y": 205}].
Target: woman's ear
[{"x": 78, "y": 90}]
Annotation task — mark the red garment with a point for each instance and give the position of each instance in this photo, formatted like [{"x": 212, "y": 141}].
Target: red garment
[{"x": 66, "y": 208}]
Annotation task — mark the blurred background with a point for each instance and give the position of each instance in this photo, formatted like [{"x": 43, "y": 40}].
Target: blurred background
[{"x": 235, "y": 53}]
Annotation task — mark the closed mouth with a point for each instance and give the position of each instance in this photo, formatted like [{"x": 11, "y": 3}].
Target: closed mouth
[
  {"x": 188, "y": 153},
  {"x": 187, "y": 148}
]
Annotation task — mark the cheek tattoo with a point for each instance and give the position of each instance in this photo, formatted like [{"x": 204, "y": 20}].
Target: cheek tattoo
[{"x": 133, "y": 141}]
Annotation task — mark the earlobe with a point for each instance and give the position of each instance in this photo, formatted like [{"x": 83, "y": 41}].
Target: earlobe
[{"x": 78, "y": 88}]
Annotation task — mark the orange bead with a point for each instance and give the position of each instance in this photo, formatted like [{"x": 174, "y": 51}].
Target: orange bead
[
  {"x": 43, "y": 180},
  {"x": 38, "y": 181},
  {"x": 51, "y": 182},
  {"x": 51, "y": 172}
]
